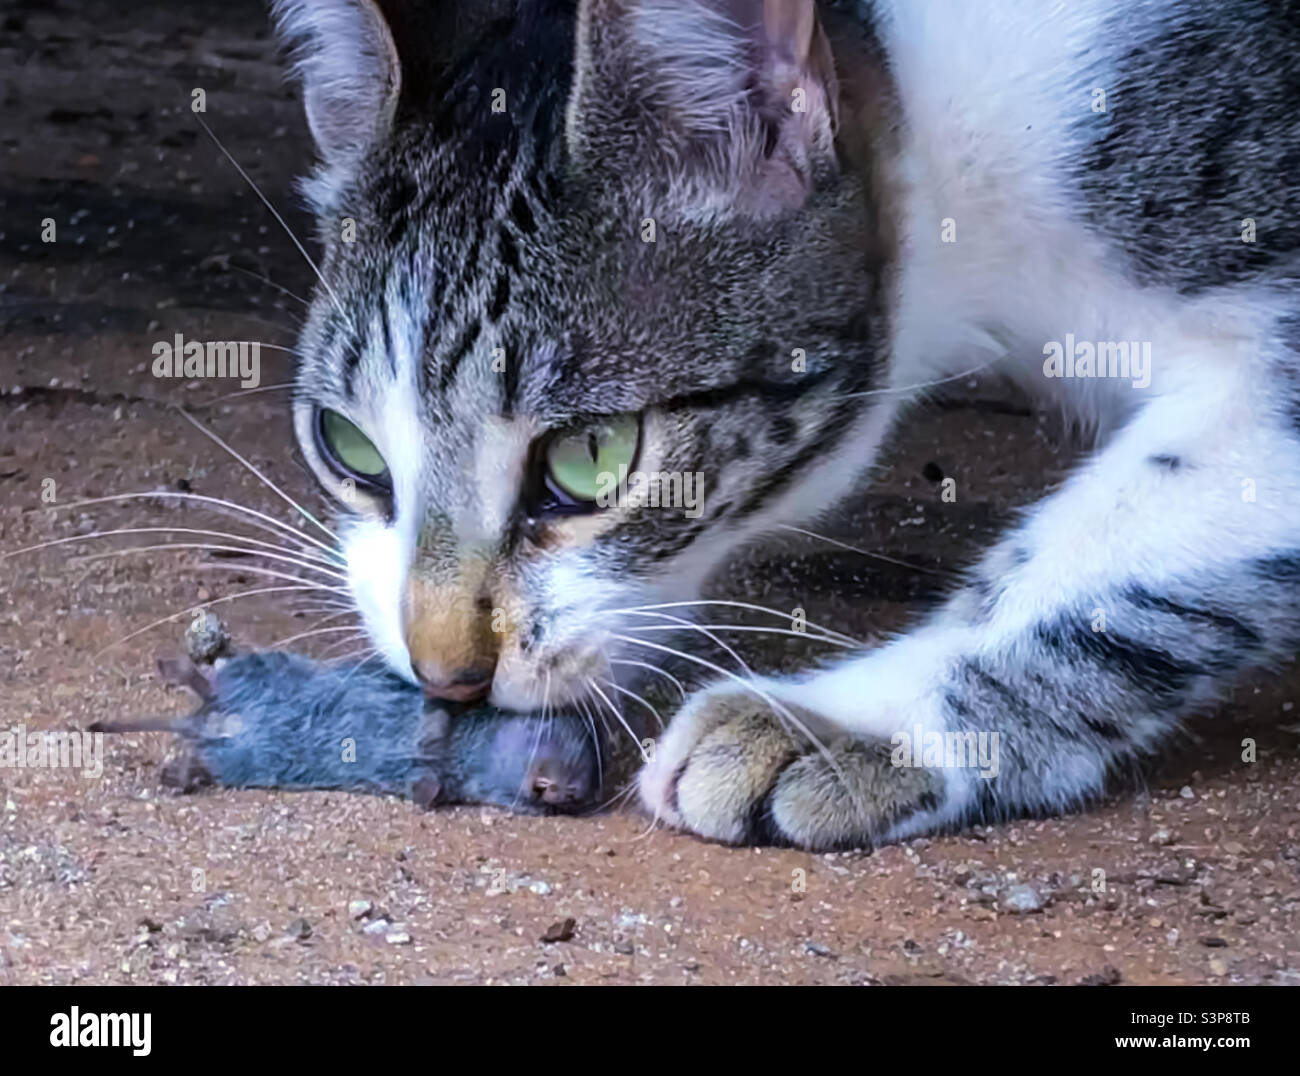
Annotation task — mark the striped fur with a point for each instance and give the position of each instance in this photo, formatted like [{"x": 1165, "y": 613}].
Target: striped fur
[{"x": 500, "y": 287}]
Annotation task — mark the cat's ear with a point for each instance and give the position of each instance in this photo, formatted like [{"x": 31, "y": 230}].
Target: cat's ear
[
  {"x": 715, "y": 105},
  {"x": 343, "y": 54}
]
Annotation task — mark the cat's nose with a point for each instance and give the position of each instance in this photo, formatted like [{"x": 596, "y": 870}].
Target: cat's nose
[{"x": 469, "y": 684}]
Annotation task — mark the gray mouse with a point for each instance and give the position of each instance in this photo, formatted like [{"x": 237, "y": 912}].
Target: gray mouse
[{"x": 279, "y": 720}]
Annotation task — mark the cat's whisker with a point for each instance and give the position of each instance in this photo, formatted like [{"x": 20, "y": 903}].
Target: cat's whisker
[
  {"x": 313, "y": 632},
  {"x": 192, "y": 610},
  {"x": 543, "y": 725},
  {"x": 616, "y": 799},
  {"x": 591, "y": 714},
  {"x": 618, "y": 716},
  {"x": 633, "y": 695},
  {"x": 855, "y": 549},
  {"x": 242, "y": 392},
  {"x": 253, "y": 569},
  {"x": 90, "y": 558},
  {"x": 324, "y": 607},
  {"x": 595, "y": 742},
  {"x": 919, "y": 385},
  {"x": 361, "y": 653},
  {"x": 266, "y": 202},
  {"x": 653, "y": 668},
  {"x": 220, "y": 442},
  {"x": 266, "y": 522},
  {"x": 685, "y": 624},
  {"x": 326, "y": 654},
  {"x": 268, "y": 281},
  {"x": 706, "y": 628},
  {"x": 780, "y": 710},
  {"x": 94, "y": 535},
  {"x": 738, "y": 605}
]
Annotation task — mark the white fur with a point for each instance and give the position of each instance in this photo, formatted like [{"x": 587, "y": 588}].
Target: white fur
[{"x": 990, "y": 94}]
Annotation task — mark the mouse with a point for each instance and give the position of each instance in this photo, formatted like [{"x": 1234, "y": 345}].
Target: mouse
[{"x": 278, "y": 720}]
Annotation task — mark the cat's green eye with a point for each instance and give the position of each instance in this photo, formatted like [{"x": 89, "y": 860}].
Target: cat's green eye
[
  {"x": 580, "y": 461},
  {"x": 350, "y": 450}
]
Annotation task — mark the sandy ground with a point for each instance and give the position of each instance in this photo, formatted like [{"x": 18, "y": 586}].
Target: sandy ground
[{"x": 1192, "y": 878}]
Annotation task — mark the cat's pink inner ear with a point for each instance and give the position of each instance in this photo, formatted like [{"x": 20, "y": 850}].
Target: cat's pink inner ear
[{"x": 344, "y": 55}]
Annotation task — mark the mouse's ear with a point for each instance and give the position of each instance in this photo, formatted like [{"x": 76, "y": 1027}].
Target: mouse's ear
[{"x": 182, "y": 672}]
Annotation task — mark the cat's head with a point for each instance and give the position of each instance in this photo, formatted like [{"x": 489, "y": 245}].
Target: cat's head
[{"x": 615, "y": 234}]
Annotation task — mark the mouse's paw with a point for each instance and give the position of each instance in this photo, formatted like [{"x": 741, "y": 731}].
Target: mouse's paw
[{"x": 733, "y": 767}]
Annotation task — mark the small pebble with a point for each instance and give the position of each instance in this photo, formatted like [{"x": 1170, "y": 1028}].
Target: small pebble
[
  {"x": 206, "y": 639},
  {"x": 560, "y": 932},
  {"x": 1023, "y": 899}
]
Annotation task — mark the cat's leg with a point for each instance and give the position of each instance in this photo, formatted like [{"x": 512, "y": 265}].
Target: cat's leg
[{"x": 1168, "y": 562}]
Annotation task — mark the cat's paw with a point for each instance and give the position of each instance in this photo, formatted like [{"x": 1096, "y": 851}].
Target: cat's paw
[{"x": 732, "y": 769}]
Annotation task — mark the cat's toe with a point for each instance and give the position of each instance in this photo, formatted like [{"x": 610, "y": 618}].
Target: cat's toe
[{"x": 731, "y": 769}]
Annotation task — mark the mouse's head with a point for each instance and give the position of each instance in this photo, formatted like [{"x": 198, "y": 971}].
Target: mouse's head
[{"x": 596, "y": 306}]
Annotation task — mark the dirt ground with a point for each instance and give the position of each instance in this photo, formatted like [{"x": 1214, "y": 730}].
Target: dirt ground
[{"x": 1194, "y": 877}]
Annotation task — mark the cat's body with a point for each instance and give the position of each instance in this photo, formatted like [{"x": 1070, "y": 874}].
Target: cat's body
[{"x": 916, "y": 190}]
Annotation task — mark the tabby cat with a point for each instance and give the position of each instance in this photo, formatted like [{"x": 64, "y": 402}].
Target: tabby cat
[{"x": 732, "y": 238}]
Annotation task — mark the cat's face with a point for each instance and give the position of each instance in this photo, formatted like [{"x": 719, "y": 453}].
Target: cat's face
[{"x": 518, "y": 308}]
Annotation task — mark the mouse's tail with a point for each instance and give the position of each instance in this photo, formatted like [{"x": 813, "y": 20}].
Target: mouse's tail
[{"x": 174, "y": 725}]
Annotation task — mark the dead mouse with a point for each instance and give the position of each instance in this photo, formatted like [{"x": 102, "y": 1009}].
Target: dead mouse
[{"x": 280, "y": 720}]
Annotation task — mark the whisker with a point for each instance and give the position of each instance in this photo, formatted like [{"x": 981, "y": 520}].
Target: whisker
[
  {"x": 632, "y": 694},
  {"x": 315, "y": 558},
  {"x": 921, "y": 384},
  {"x": 738, "y": 605},
  {"x": 652, "y": 668},
  {"x": 315, "y": 631},
  {"x": 689, "y": 626},
  {"x": 329, "y": 650},
  {"x": 618, "y": 715},
  {"x": 241, "y": 392},
  {"x": 266, "y": 481},
  {"x": 778, "y": 708},
  {"x": 266, "y": 202},
  {"x": 192, "y": 610},
  {"x": 90, "y": 558},
  {"x": 252, "y": 569},
  {"x": 624, "y": 793},
  {"x": 542, "y": 725},
  {"x": 595, "y": 742},
  {"x": 269, "y": 522},
  {"x": 267, "y": 280},
  {"x": 592, "y": 714},
  {"x": 863, "y": 552},
  {"x": 703, "y": 631}
]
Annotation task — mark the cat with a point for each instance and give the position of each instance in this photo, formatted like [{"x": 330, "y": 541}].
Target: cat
[{"x": 734, "y": 238}]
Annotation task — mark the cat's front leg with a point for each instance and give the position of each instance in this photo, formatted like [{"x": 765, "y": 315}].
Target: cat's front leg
[{"x": 1165, "y": 565}]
